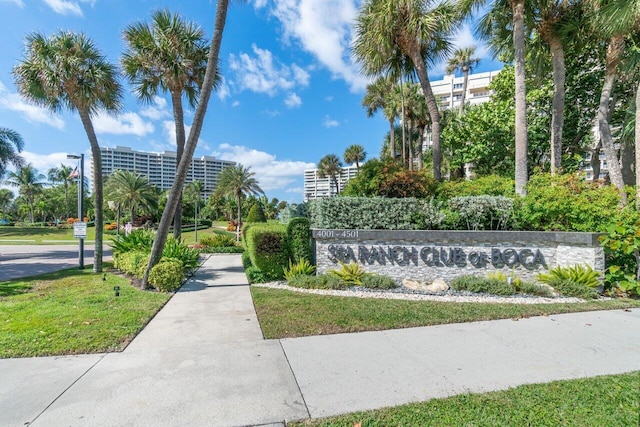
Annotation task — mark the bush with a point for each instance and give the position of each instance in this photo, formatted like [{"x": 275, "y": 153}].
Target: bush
[
  {"x": 223, "y": 250},
  {"x": 218, "y": 240},
  {"x": 137, "y": 240},
  {"x": 482, "y": 212},
  {"x": 246, "y": 260},
  {"x": 364, "y": 213},
  {"x": 205, "y": 221},
  {"x": 482, "y": 285},
  {"x": 267, "y": 247},
  {"x": 388, "y": 178},
  {"x": 324, "y": 281},
  {"x": 377, "y": 281},
  {"x": 302, "y": 267},
  {"x": 350, "y": 274},
  {"x": 256, "y": 214},
  {"x": 580, "y": 274},
  {"x": 167, "y": 275},
  {"x": 491, "y": 185},
  {"x": 572, "y": 289},
  {"x": 294, "y": 211},
  {"x": 255, "y": 275},
  {"x": 521, "y": 286},
  {"x": 299, "y": 239},
  {"x": 431, "y": 217},
  {"x": 622, "y": 249},
  {"x": 232, "y": 225},
  {"x": 176, "y": 250},
  {"x": 133, "y": 263}
]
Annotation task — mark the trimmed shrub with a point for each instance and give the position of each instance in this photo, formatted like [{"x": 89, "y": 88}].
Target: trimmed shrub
[
  {"x": 167, "y": 275},
  {"x": 294, "y": 211},
  {"x": 255, "y": 275},
  {"x": 246, "y": 260},
  {"x": 482, "y": 285},
  {"x": 256, "y": 214},
  {"x": 482, "y": 212},
  {"x": 223, "y": 250},
  {"x": 490, "y": 185},
  {"x": 376, "y": 213},
  {"x": 267, "y": 246},
  {"x": 378, "y": 281},
  {"x": 299, "y": 239},
  {"x": 205, "y": 221},
  {"x": 324, "y": 281},
  {"x": 133, "y": 263},
  {"x": 218, "y": 240},
  {"x": 431, "y": 217}
]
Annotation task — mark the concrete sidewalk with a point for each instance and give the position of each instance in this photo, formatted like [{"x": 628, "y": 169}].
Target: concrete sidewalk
[{"x": 202, "y": 361}]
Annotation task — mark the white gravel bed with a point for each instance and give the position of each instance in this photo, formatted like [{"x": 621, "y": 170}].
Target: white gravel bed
[{"x": 421, "y": 297}]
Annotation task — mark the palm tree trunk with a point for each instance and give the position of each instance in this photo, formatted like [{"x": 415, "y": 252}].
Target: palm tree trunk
[
  {"x": 404, "y": 138},
  {"x": 521, "y": 99},
  {"x": 97, "y": 188},
  {"x": 66, "y": 196},
  {"x": 190, "y": 146},
  {"x": 434, "y": 114},
  {"x": 238, "y": 198},
  {"x": 392, "y": 139},
  {"x": 465, "y": 82},
  {"x": 637, "y": 140},
  {"x": 557, "y": 117},
  {"x": 410, "y": 145},
  {"x": 178, "y": 117},
  {"x": 614, "y": 55}
]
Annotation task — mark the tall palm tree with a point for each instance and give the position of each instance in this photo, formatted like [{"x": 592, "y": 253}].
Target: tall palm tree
[
  {"x": 196, "y": 188},
  {"x": 463, "y": 59},
  {"x": 330, "y": 166},
  {"x": 379, "y": 96},
  {"x": 169, "y": 54},
  {"x": 190, "y": 146},
  {"x": 67, "y": 71},
  {"x": 6, "y": 197},
  {"x": 393, "y": 34},
  {"x": 11, "y": 144},
  {"x": 238, "y": 181},
  {"x": 29, "y": 182},
  {"x": 131, "y": 191},
  {"x": 62, "y": 175},
  {"x": 355, "y": 154}
]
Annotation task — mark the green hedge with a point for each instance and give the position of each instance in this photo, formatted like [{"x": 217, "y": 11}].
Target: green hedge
[
  {"x": 267, "y": 247},
  {"x": 481, "y": 213},
  {"x": 299, "y": 239},
  {"x": 167, "y": 275}
]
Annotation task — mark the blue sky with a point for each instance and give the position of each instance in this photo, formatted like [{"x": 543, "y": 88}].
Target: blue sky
[{"x": 291, "y": 91}]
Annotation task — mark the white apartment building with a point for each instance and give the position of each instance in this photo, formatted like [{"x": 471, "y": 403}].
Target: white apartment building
[
  {"x": 160, "y": 168},
  {"x": 448, "y": 91},
  {"x": 318, "y": 188}
]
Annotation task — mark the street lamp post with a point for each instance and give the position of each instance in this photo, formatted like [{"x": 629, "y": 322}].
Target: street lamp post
[{"x": 80, "y": 159}]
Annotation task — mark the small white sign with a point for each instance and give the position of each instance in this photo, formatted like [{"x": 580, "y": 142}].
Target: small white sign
[{"x": 80, "y": 230}]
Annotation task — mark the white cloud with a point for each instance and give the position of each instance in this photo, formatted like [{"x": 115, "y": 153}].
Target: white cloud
[
  {"x": 44, "y": 162},
  {"x": 18, "y": 3},
  {"x": 235, "y": 104},
  {"x": 271, "y": 113},
  {"x": 259, "y": 4},
  {"x": 263, "y": 73},
  {"x": 124, "y": 124},
  {"x": 223, "y": 90},
  {"x": 64, "y": 7},
  {"x": 271, "y": 173},
  {"x": 329, "y": 122},
  {"x": 32, "y": 113},
  {"x": 169, "y": 131},
  {"x": 293, "y": 101},
  {"x": 328, "y": 98},
  {"x": 325, "y": 29},
  {"x": 156, "y": 111}
]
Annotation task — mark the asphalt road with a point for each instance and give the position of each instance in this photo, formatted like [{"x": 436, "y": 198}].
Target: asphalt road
[{"x": 18, "y": 261}]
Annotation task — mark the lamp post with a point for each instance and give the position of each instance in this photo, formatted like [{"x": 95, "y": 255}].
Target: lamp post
[{"x": 80, "y": 159}]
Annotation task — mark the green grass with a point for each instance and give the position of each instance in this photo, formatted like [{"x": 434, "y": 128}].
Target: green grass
[
  {"x": 70, "y": 312},
  {"x": 40, "y": 235},
  {"x": 612, "y": 400},
  {"x": 291, "y": 314}
]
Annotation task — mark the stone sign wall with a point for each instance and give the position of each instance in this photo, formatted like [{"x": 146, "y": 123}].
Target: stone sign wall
[{"x": 431, "y": 255}]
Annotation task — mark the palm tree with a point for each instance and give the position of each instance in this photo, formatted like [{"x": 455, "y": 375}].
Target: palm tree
[
  {"x": 330, "y": 166},
  {"x": 238, "y": 181},
  {"x": 462, "y": 59},
  {"x": 192, "y": 141},
  {"x": 62, "y": 175},
  {"x": 29, "y": 182},
  {"x": 196, "y": 188},
  {"x": 355, "y": 154},
  {"x": 67, "y": 71},
  {"x": 167, "y": 55},
  {"x": 379, "y": 96},
  {"x": 11, "y": 144},
  {"x": 393, "y": 34},
  {"x": 131, "y": 191},
  {"x": 6, "y": 197}
]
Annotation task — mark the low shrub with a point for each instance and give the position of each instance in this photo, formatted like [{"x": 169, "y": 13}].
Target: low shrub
[
  {"x": 110, "y": 227},
  {"x": 223, "y": 250},
  {"x": 569, "y": 288},
  {"x": 521, "y": 286},
  {"x": 482, "y": 212},
  {"x": 581, "y": 274},
  {"x": 377, "y": 281},
  {"x": 205, "y": 221},
  {"x": 167, "y": 275},
  {"x": 302, "y": 267},
  {"x": 267, "y": 248},
  {"x": 255, "y": 275},
  {"x": 482, "y": 285},
  {"x": 232, "y": 225},
  {"x": 138, "y": 240},
  {"x": 323, "y": 281},
  {"x": 490, "y": 185},
  {"x": 299, "y": 239},
  {"x": 133, "y": 263},
  {"x": 218, "y": 240},
  {"x": 176, "y": 250},
  {"x": 622, "y": 249},
  {"x": 246, "y": 260},
  {"x": 350, "y": 274}
]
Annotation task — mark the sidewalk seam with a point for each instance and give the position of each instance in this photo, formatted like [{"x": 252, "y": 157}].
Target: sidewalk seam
[
  {"x": 306, "y": 407},
  {"x": 66, "y": 389}
]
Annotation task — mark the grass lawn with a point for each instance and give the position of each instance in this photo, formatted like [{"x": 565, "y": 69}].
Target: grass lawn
[
  {"x": 612, "y": 400},
  {"x": 285, "y": 314},
  {"x": 42, "y": 235},
  {"x": 72, "y": 311}
]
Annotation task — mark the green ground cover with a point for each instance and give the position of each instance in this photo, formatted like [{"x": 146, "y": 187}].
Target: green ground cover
[
  {"x": 612, "y": 400},
  {"x": 284, "y": 314},
  {"x": 70, "y": 312}
]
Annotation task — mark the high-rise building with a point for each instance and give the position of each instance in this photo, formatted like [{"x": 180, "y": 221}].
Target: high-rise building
[
  {"x": 160, "y": 168},
  {"x": 448, "y": 91},
  {"x": 318, "y": 188}
]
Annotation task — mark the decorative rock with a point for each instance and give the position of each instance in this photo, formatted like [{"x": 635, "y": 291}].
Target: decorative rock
[
  {"x": 437, "y": 286},
  {"x": 414, "y": 285}
]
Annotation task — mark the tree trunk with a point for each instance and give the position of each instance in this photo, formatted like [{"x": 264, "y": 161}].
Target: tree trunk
[
  {"x": 637, "y": 141},
  {"x": 192, "y": 142},
  {"x": 595, "y": 161},
  {"x": 614, "y": 55},
  {"x": 392, "y": 139},
  {"x": 627, "y": 158},
  {"x": 465, "y": 82},
  {"x": 66, "y": 197},
  {"x": 557, "y": 116},
  {"x": 239, "y": 217},
  {"x": 97, "y": 190},
  {"x": 403, "y": 121},
  {"x": 432, "y": 106},
  {"x": 410, "y": 145},
  {"x": 521, "y": 99},
  {"x": 420, "y": 144},
  {"x": 178, "y": 117}
]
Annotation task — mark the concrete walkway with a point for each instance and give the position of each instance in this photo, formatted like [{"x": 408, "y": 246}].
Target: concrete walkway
[{"x": 202, "y": 361}]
